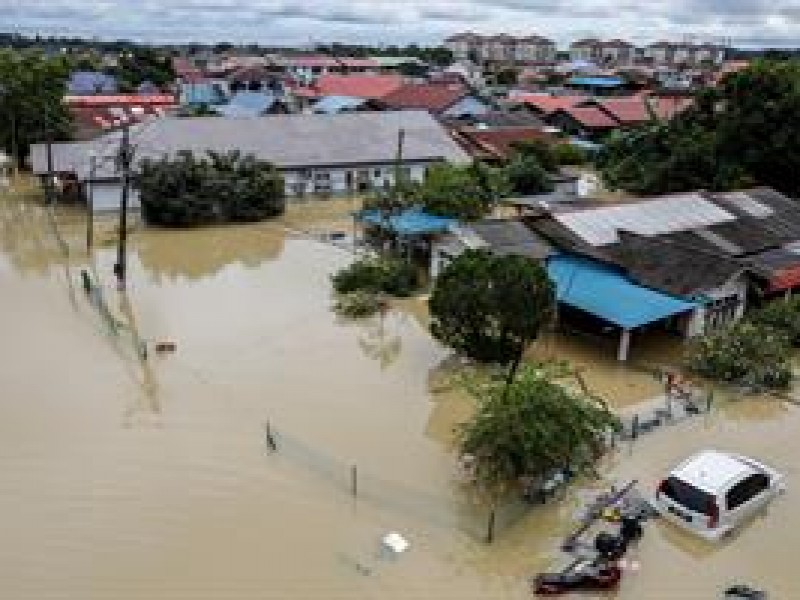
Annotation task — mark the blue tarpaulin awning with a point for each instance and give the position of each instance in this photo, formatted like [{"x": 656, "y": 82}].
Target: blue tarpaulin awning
[
  {"x": 410, "y": 222},
  {"x": 608, "y": 294},
  {"x": 596, "y": 81}
]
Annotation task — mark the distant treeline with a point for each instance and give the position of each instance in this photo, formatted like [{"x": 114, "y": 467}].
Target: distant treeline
[
  {"x": 435, "y": 55},
  {"x": 768, "y": 53}
]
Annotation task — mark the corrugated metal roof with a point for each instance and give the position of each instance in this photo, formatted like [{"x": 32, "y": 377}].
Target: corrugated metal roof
[
  {"x": 288, "y": 141},
  {"x": 606, "y": 293},
  {"x": 331, "y": 105},
  {"x": 599, "y": 226}
]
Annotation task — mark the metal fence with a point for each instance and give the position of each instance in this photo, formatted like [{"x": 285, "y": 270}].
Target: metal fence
[{"x": 457, "y": 507}]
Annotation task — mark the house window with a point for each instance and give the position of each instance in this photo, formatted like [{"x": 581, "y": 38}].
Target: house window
[
  {"x": 721, "y": 312},
  {"x": 378, "y": 173},
  {"x": 322, "y": 176}
]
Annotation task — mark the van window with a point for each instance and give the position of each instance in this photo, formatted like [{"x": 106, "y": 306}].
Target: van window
[
  {"x": 746, "y": 490},
  {"x": 687, "y": 495}
]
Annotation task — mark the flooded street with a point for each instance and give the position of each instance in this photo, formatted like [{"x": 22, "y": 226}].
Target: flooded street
[{"x": 132, "y": 479}]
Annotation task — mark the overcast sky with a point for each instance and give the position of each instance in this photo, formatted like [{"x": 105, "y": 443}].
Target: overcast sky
[{"x": 751, "y": 23}]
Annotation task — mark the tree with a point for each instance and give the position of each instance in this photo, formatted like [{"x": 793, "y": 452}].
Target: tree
[
  {"x": 540, "y": 150},
  {"x": 142, "y": 64},
  {"x": 188, "y": 191},
  {"x": 532, "y": 428},
  {"x": 490, "y": 308},
  {"x": 31, "y": 91},
  {"x": 466, "y": 193},
  {"x": 507, "y": 77},
  {"x": 746, "y": 354},
  {"x": 527, "y": 177},
  {"x": 740, "y": 134},
  {"x": 783, "y": 316}
]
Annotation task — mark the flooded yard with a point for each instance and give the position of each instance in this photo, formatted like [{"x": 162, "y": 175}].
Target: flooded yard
[{"x": 132, "y": 479}]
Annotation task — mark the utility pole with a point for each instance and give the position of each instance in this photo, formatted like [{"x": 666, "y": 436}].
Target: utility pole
[
  {"x": 398, "y": 165},
  {"x": 48, "y": 188},
  {"x": 90, "y": 199},
  {"x": 125, "y": 156}
]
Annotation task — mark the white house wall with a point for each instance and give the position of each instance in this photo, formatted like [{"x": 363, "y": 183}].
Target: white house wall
[
  {"x": 698, "y": 321},
  {"x": 107, "y": 197}
]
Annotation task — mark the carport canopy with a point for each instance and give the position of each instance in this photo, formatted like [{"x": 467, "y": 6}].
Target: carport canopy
[{"x": 608, "y": 294}]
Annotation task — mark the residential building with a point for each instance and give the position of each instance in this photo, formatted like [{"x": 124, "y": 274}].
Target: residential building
[
  {"x": 246, "y": 104},
  {"x": 586, "y": 50},
  {"x": 97, "y": 114},
  {"x": 612, "y": 52},
  {"x": 318, "y": 155},
  {"x": 501, "y": 48},
  {"x": 668, "y": 53},
  {"x": 86, "y": 83},
  {"x": 465, "y": 46},
  {"x": 368, "y": 87},
  {"x": 445, "y": 100}
]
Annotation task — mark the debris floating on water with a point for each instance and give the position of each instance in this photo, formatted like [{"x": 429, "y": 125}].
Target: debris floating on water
[{"x": 395, "y": 542}]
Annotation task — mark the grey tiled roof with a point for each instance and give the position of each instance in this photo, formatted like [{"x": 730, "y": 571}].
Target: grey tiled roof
[{"x": 289, "y": 141}]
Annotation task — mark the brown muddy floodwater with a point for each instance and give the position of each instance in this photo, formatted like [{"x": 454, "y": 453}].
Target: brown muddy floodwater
[{"x": 129, "y": 479}]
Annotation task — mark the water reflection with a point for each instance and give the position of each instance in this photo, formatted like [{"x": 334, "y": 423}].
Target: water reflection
[
  {"x": 145, "y": 408},
  {"x": 380, "y": 341},
  {"x": 198, "y": 253}
]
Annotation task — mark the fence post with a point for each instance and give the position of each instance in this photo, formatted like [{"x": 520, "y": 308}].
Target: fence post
[
  {"x": 635, "y": 427},
  {"x": 490, "y": 527},
  {"x": 354, "y": 480},
  {"x": 271, "y": 445}
]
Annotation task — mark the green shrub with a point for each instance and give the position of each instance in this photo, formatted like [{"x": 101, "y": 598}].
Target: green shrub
[
  {"x": 391, "y": 276},
  {"x": 783, "y": 316},
  {"x": 569, "y": 154},
  {"x": 358, "y": 305},
  {"x": 746, "y": 354}
]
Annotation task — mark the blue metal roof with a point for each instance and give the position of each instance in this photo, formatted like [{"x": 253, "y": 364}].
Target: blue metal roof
[
  {"x": 596, "y": 81},
  {"x": 607, "y": 293},
  {"x": 410, "y": 222},
  {"x": 332, "y": 105},
  {"x": 248, "y": 104},
  {"x": 91, "y": 82}
]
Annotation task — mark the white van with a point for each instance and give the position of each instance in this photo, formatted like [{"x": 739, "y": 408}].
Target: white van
[{"x": 713, "y": 492}]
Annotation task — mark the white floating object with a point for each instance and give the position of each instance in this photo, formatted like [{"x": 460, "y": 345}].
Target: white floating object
[{"x": 395, "y": 542}]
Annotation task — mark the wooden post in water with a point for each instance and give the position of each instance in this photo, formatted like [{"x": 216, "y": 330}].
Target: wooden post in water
[
  {"x": 270, "y": 440},
  {"x": 354, "y": 480},
  {"x": 635, "y": 427},
  {"x": 490, "y": 527}
]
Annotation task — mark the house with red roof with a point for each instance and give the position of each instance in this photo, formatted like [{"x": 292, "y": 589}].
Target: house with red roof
[
  {"x": 590, "y": 121},
  {"x": 496, "y": 145},
  {"x": 368, "y": 87},
  {"x": 544, "y": 105},
  {"x": 94, "y": 115},
  {"x": 440, "y": 99}
]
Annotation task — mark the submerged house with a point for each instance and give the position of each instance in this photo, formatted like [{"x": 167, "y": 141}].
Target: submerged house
[
  {"x": 684, "y": 263},
  {"x": 318, "y": 155}
]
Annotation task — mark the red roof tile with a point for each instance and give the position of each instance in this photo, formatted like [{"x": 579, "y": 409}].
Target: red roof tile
[
  {"x": 628, "y": 111},
  {"x": 107, "y": 100},
  {"x": 433, "y": 97},
  {"x": 547, "y": 104},
  {"x": 498, "y": 143},
  {"x": 357, "y": 86},
  {"x": 592, "y": 117}
]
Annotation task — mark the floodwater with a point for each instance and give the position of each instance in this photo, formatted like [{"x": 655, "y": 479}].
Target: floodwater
[{"x": 131, "y": 479}]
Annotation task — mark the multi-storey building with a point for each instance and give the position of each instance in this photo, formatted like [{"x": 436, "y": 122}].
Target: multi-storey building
[
  {"x": 669, "y": 53},
  {"x": 613, "y": 52},
  {"x": 502, "y": 48}
]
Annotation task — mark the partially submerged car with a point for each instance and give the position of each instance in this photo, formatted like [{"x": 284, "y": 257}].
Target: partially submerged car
[{"x": 714, "y": 492}]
